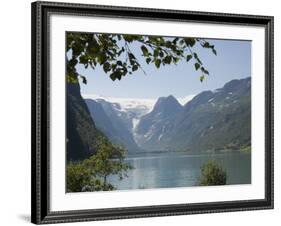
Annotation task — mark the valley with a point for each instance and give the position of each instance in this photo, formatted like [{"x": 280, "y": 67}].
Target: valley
[{"x": 210, "y": 122}]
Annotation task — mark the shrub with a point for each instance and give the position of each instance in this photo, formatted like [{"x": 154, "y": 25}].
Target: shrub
[{"x": 212, "y": 174}]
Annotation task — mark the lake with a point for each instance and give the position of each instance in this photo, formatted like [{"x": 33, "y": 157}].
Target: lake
[{"x": 166, "y": 170}]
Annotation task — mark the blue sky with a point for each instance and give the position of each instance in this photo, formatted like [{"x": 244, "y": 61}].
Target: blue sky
[{"x": 233, "y": 61}]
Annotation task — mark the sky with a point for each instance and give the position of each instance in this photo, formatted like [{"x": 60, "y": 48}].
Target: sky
[{"x": 233, "y": 61}]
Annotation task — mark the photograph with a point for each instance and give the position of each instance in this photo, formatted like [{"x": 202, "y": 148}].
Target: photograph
[
  {"x": 148, "y": 112},
  {"x": 156, "y": 112}
]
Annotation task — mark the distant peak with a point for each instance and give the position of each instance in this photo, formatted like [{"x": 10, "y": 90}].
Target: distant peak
[
  {"x": 169, "y": 98},
  {"x": 236, "y": 82},
  {"x": 166, "y": 103}
]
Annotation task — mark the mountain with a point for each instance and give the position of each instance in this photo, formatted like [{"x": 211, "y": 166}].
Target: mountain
[
  {"x": 216, "y": 120},
  {"x": 136, "y": 106},
  {"x": 212, "y": 120},
  {"x": 154, "y": 125},
  {"x": 82, "y": 136},
  {"x": 113, "y": 122}
]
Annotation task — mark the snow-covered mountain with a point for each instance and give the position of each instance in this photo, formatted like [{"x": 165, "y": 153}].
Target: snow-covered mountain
[
  {"x": 210, "y": 121},
  {"x": 158, "y": 122},
  {"x": 115, "y": 124},
  {"x": 117, "y": 118},
  {"x": 122, "y": 115},
  {"x": 185, "y": 100},
  {"x": 138, "y": 106}
]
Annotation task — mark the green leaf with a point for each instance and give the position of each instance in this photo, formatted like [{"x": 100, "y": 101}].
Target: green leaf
[
  {"x": 119, "y": 74},
  {"x": 214, "y": 51},
  {"x": 101, "y": 58},
  {"x": 148, "y": 60},
  {"x": 135, "y": 67},
  {"x": 144, "y": 50},
  {"x": 196, "y": 65},
  {"x": 83, "y": 59},
  {"x": 73, "y": 62},
  {"x": 189, "y": 41},
  {"x": 106, "y": 67},
  {"x": 156, "y": 52},
  {"x": 119, "y": 63},
  {"x": 84, "y": 80},
  {"x": 176, "y": 59},
  {"x": 112, "y": 76},
  {"x": 131, "y": 58},
  {"x": 175, "y": 40},
  {"x": 71, "y": 79},
  {"x": 168, "y": 44},
  {"x": 157, "y": 63},
  {"x": 197, "y": 58},
  {"x": 202, "y": 77},
  {"x": 206, "y": 45},
  {"x": 204, "y": 70},
  {"x": 167, "y": 59},
  {"x": 188, "y": 57},
  {"x": 116, "y": 75},
  {"x": 128, "y": 38}
]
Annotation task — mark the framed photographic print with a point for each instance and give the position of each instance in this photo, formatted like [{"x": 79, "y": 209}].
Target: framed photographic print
[{"x": 148, "y": 112}]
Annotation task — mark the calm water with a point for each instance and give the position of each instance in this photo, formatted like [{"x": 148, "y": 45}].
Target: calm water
[{"x": 180, "y": 170}]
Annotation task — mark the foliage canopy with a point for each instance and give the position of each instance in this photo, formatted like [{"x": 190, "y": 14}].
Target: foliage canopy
[
  {"x": 92, "y": 173},
  {"x": 114, "y": 54}
]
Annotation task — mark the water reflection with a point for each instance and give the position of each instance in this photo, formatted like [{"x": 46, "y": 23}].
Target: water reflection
[{"x": 178, "y": 170}]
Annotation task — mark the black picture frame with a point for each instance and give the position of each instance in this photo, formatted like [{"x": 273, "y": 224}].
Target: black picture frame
[{"x": 40, "y": 211}]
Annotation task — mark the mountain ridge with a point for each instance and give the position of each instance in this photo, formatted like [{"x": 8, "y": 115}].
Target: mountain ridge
[
  {"x": 110, "y": 122},
  {"x": 211, "y": 120}
]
